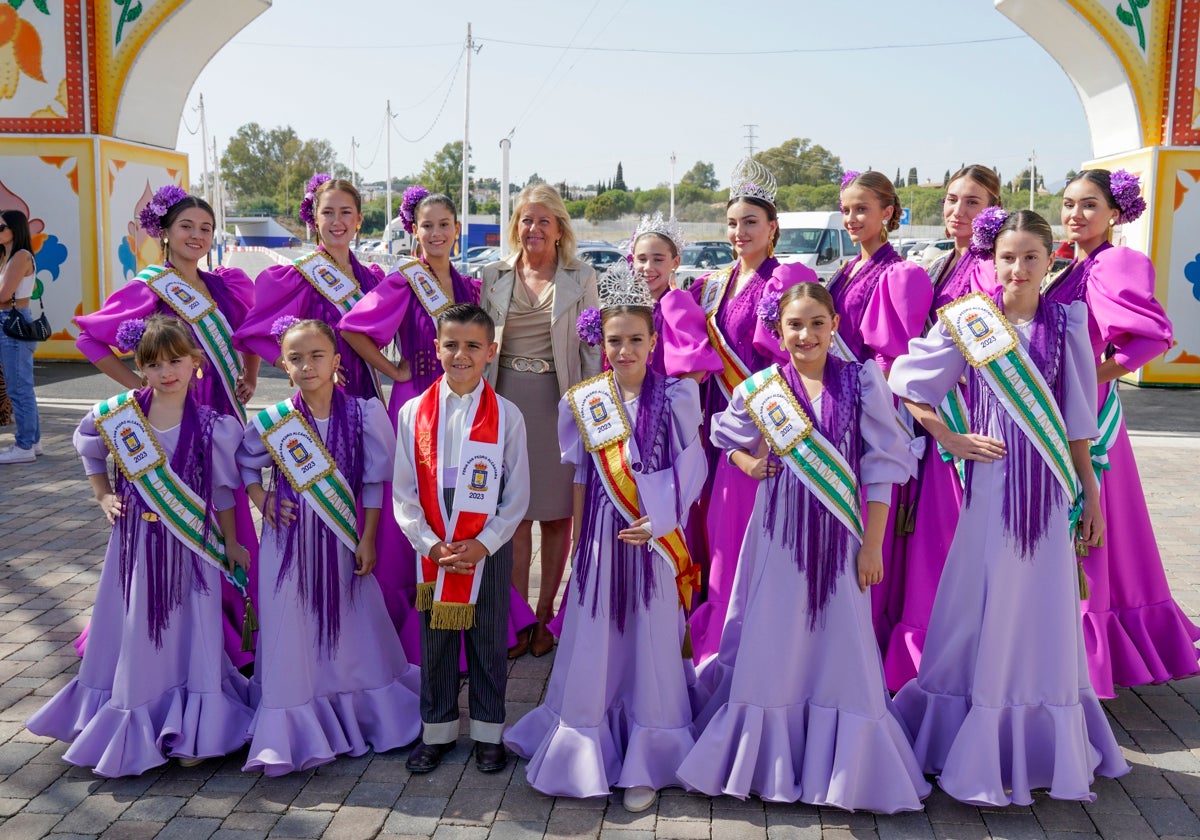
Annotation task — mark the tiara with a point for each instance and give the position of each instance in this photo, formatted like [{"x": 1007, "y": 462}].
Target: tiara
[
  {"x": 622, "y": 286},
  {"x": 663, "y": 227},
  {"x": 751, "y": 179}
]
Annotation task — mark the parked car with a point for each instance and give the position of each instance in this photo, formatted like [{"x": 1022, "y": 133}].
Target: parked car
[
  {"x": 479, "y": 252},
  {"x": 600, "y": 257},
  {"x": 931, "y": 252},
  {"x": 698, "y": 260},
  {"x": 814, "y": 239}
]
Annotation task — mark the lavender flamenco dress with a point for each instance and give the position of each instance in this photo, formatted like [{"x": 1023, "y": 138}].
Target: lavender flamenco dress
[
  {"x": 939, "y": 494},
  {"x": 393, "y": 311},
  {"x": 882, "y": 308},
  {"x": 233, "y": 293},
  {"x": 796, "y": 708},
  {"x": 1134, "y": 631},
  {"x": 155, "y": 682},
  {"x": 331, "y": 677},
  {"x": 729, "y": 494},
  {"x": 617, "y": 709},
  {"x": 1002, "y": 706}
]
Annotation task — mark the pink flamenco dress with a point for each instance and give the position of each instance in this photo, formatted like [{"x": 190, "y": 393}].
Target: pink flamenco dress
[
  {"x": 393, "y": 312},
  {"x": 728, "y": 499},
  {"x": 233, "y": 294},
  {"x": 1134, "y": 631},
  {"x": 881, "y": 308},
  {"x": 155, "y": 682}
]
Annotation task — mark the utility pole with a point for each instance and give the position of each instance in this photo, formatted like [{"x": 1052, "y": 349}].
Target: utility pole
[
  {"x": 1032, "y": 177},
  {"x": 672, "y": 185},
  {"x": 387, "y": 223},
  {"x": 465, "y": 211},
  {"x": 204, "y": 157},
  {"x": 353, "y": 176},
  {"x": 505, "y": 146},
  {"x": 750, "y": 138}
]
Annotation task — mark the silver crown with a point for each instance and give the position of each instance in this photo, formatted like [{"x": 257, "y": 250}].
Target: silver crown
[
  {"x": 622, "y": 286},
  {"x": 664, "y": 227},
  {"x": 751, "y": 179}
]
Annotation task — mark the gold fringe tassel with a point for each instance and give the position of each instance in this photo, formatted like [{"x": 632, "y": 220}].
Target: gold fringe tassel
[
  {"x": 425, "y": 596},
  {"x": 687, "y": 651},
  {"x": 249, "y": 626},
  {"x": 452, "y": 616},
  {"x": 1083, "y": 587}
]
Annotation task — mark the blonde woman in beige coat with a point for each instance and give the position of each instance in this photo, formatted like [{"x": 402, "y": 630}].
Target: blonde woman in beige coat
[{"x": 535, "y": 297}]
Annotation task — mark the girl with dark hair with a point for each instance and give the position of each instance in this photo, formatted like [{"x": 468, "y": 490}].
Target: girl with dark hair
[
  {"x": 17, "y": 281},
  {"x": 213, "y": 304},
  {"x": 730, "y": 300},
  {"x": 1134, "y": 630}
]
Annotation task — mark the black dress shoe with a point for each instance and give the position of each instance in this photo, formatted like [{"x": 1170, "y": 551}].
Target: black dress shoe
[
  {"x": 426, "y": 757},
  {"x": 490, "y": 758}
]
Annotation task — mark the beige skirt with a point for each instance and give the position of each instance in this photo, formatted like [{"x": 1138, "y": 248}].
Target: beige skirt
[{"x": 536, "y": 394}]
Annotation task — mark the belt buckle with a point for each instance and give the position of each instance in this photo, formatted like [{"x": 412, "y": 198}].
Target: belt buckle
[{"x": 524, "y": 365}]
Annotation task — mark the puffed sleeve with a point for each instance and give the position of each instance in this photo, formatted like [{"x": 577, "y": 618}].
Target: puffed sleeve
[
  {"x": 570, "y": 442},
  {"x": 226, "y": 438},
  {"x": 983, "y": 276},
  {"x": 1079, "y": 366},
  {"x": 783, "y": 278},
  {"x": 686, "y": 347},
  {"x": 241, "y": 292},
  {"x": 90, "y": 446},
  {"x": 380, "y": 312},
  {"x": 589, "y": 356},
  {"x": 279, "y": 290},
  {"x": 668, "y": 494},
  {"x": 98, "y": 330},
  {"x": 379, "y": 451},
  {"x": 896, "y": 311},
  {"x": 887, "y": 458},
  {"x": 252, "y": 456},
  {"x": 932, "y": 366},
  {"x": 734, "y": 428},
  {"x": 1120, "y": 294}
]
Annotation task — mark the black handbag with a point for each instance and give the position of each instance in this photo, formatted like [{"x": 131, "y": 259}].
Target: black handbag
[{"x": 15, "y": 325}]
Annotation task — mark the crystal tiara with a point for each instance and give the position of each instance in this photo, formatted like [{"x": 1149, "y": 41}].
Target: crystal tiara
[{"x": 622, "y": 286}]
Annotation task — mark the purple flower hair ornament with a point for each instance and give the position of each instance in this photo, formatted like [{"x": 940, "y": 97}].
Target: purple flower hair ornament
[
  {"x": 129, "y": 333},
  {"x": 848, "y": 176},
  {"x": 308, "y": 204},
  {"x": 768, "y": 311},
  {"x": 408, "y": 206},
  {"x": 985, "y": 227},
  {"x": 281, "y": 325},
  {"x": 1126, "y": 190},
  {"x": 588, "y": 327},
  {"x": 164, "y": 198}
]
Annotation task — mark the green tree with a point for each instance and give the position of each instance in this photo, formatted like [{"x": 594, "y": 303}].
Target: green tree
[
  {"x": 275, "y": 162},
  {"x": 443, "y": 172},
  {"x": 618, "y": 182},
  {"x": 533, "y": 179},
  {"x": 913, "y": 181},
  {"x": 603, "y": 207},
  {"x": 946, "y": 179},
  {"x": 702, "y": 175},
  {"x": 798, "y": 161}
]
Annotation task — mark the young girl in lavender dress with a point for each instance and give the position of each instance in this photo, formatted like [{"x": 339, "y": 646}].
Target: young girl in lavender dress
[
  {"x": 1002, "y": 703},
  {"x": 225, "y": 381},
  {"x": 155, "y": 682},
  {"x": 797, "y": 709},
  {"x": 331, "y": 677},
  {"x": 617, "y": 710}
]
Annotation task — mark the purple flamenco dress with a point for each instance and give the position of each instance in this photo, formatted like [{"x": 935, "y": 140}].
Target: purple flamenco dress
[
  {"x": 1134, "y": 631},
  {"x": 233, "y": 293},
  {"x": 729, "y": 494},
  {"x": 392, "y": 311},
  {"x": 1003, "y": 703},
  {"x": 797, "y": 709},
  {"x": 331, "y": 677},
  {"x": 883, "y": 307},
  {"x": 617, "y": 709},
  {"x": 155, "y": 682}
]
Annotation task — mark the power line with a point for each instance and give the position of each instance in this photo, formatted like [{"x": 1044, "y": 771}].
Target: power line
[
  {"x": 441, "y": 108},
  {"x": 790, "y": 51}
]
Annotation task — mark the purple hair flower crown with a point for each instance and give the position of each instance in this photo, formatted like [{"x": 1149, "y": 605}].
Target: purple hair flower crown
[
  {"x": 1126, "y": 189},
  {"x": 164, "y": 198},
  {"x": 985, "y": 227},
  {"x": 848, "y": 177},
  {"x": 588, "y": 327},
  {"x": 281, "y": 325},
  {"x": 308, "y": 204},
  {"x": 129, "y": 333},
  {"x": 768, "y": 311},
  {"x": 413, "y": 196}
]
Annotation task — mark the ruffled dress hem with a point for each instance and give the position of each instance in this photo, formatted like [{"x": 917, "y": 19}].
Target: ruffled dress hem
[
  {"x": 1148, "y": 644},
  {"x": 903, "y": 657}
]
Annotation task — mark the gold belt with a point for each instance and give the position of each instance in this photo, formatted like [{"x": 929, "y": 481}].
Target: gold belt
[{"x": 523, "y": 365}]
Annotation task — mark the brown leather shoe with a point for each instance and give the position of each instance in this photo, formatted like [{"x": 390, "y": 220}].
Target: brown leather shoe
[
  {"x": 543, "y": 641},
  {"x": 522, "y": 646}
]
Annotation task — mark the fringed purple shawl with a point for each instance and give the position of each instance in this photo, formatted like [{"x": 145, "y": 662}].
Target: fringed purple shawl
[
  {"x": 632, "y": 584},
  {"x": 316, "y": 567},
  {"x": 169, "y": 563},
  {"x": 851, "y": 295},
  {"x": 796, "y": 518},
  {"x": 953, "y": 282},
  {"x": 1030, "y": 488}
]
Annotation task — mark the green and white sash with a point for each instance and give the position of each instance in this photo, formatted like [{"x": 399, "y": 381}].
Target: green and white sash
[
  {"x": 307, "y": 465},
  {"x": 990, "y": 345},
  {"x": 953, "y": 411},
  {"x": 210, "y": 327},
  {"x": 808, "y": 454},
  {"x": 327, "y": 277},
  {"x": 1111, "y": 417},
  {"x": 426, "y": 287},
  {"x": 127, "y": 434}
]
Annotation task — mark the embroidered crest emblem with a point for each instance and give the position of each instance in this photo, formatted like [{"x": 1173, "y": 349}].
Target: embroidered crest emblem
[
  {"x": 180, "y": 292},
  {"x": 479, "y": 476},
  {"x": 300, "y": 454},
  {"x": 978, "y": 326},
  {"x": 133, "y": 444},
  {"x": 326, "y": 276},
  {"x": 598, "y": 410}
]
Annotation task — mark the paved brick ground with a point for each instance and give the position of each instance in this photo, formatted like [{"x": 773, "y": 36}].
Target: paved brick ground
[{"x": 52, "y": 538}]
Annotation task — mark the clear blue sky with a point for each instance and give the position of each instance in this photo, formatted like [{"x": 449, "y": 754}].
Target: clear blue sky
[{"x": 326, "y": 69}]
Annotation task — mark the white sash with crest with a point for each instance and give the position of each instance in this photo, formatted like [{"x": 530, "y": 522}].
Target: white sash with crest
[
  {"x": 733, "y": 371},
  {"x": 327, "y": 277},
  {"x": 426, "y": 287}
]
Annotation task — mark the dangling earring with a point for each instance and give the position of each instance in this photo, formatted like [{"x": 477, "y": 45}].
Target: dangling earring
[
  {"x": 291, "y": 384},
  {"x": 199, "y": 372},
  {"x": 883, "y": 233},
  {"x": 771, "y": 249}
]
